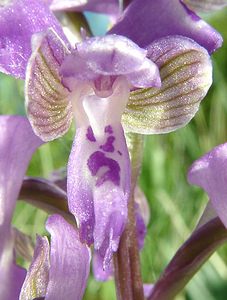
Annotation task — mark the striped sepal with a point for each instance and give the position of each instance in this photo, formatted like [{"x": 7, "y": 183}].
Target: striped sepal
[
  {"x": 36, "y": 281},
  {"x": 186, "y": 74},
  {"x": 48, "y": 107},
  {"x": 206, "y": 5}
]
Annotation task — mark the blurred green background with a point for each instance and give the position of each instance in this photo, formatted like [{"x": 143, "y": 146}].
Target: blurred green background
[{"x": 175, "y": 205}]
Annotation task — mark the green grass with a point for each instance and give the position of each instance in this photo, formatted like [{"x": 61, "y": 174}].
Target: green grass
[{"x": 175, "y": 205}]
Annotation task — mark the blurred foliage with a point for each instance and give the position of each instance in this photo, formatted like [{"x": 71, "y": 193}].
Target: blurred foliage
[{"x": 175, "y": 206}]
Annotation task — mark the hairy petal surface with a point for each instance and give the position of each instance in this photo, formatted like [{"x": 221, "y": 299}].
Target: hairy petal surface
[
  {"x": 35, "y": 284},
  {"x": 157, "y": 19},
  {"x": 100, "y": 6},
  {"x": 17, "y": 143},
  {"x": 48, "y": 107},
  {"x": 206, "y": 5},
  {"x": 186, "y": 74},
  {"x": 210, "y": 173},
  {"x": 69, "y": 261},
  {"x": 19, "y": 20}
]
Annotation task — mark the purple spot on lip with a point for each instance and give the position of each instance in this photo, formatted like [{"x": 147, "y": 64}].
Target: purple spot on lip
[
  {"x": 98, "y": 160},
  {"x": 108, "y": 146},
  {"x": 109, "y": 129},
  {"x": 90, "y": 135},
  {"x": 119, "y": 152}
]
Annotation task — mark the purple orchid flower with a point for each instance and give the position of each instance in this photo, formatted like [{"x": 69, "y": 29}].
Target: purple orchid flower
[
  {"x": 60, "y": 270},
  {"x": 17, "y": 143},
  {"x": 210, "y": 173},
  {"x": 93, "y": 82}
]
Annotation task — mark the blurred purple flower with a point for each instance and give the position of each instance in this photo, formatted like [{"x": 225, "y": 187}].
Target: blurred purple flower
[
  {"x": 60, "y": 270},
  {"x": 210, "y": 173},
  {"x": 92, "y": 83},
  {"x": 17, "y": 143}
]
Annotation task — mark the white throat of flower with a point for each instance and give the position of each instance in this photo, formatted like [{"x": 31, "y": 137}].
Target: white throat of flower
[{"x": 99, "y": 107}]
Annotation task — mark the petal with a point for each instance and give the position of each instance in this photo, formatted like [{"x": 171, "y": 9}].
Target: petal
[
  {"x": 97, "y": 265},
  {"x": 48, "y": 107},
  {"x": 141, "y": 229},
  {"x": 165, "y": 18},
  {"x": 23, "y": 245},
  {"x": 99, "y": 170},
  {"x": 12, "y": 276},
  {"x": 111, "y": 55},
  {"x": 206, "y": 5},
  {"x": 142, "y": 219},
  {"x": 17, "y": 143},
  {"x": 98, "y": 196},
  {"x": 100, "y": 6},
  {"x": 186, "y": 74},
  {"x": 35, "y": 284},
  {"x": 69, "y": 261},
  {"x": 210, "y": 173},
  {"x": 147, "y": 289},
  {"x": 19, "y": 20},
  {"x": 142, "y": 202}
]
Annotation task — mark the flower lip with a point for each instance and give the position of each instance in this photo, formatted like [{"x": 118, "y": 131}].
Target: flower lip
[{"x": 111, "y": 55}]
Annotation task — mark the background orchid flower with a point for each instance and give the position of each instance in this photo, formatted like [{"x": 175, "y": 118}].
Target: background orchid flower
[
  {"x": 17, "y": 144},
  {"x": 61, "y": 269},
  {"x": 210, "y": 173},
  {"x": 92, "y": 81}
]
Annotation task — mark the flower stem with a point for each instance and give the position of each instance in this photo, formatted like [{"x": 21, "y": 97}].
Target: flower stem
[
  {"x": 128, "y": 279},
  {"x": 127, "y": 264}
]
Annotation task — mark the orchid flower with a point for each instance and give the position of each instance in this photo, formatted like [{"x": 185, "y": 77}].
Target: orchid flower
[
  {"x": 92, "y": 84},
  {"x": 60, "y": 270},
  {"x": 210, "y": 173},
  {"x": 17, "y": 143}
]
